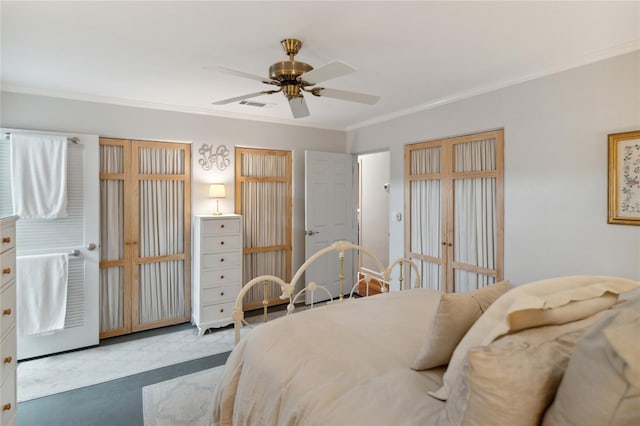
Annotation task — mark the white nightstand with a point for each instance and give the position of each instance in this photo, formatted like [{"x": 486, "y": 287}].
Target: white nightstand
[{"x": 217, "y": 269}]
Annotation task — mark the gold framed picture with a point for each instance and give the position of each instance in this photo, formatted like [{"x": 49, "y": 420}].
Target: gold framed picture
[{"x": 624, "y": 178}]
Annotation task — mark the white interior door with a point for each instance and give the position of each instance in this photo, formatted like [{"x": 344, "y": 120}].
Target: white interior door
[
  {"x": 330, "y": 216},
  {"x": 78, "y": 231}
]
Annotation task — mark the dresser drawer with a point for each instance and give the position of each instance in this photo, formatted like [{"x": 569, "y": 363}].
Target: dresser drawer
[
  {"x": 7, "y": 238},
  {"x": 8, "y": 353},
  {"x": 212, "y": 243},
  {"x": 8, "y": 400},
  {"x": 221, "y": 260},
  {"x": 221, "y": 226},
  {"x": 217, "y": 312},
  {"x": 220, "y": 294},
  {"x": 7, "y": 308},
  {"x": 7, "y": 266},
  {"x": 221, "y": 277}
]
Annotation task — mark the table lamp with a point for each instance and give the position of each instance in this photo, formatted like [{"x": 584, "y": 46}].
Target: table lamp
[{"x": 216, "y": 190}]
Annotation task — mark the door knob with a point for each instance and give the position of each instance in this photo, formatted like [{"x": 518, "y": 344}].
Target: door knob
[
  {"x": 311, "y": 232},
  {"x": 91, "y": 246}
]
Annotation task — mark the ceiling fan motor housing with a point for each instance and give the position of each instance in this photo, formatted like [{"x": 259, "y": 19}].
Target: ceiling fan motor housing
[{"x": 288, "y": 70}]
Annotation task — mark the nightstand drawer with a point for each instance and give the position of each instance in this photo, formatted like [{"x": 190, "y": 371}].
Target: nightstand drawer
[
  {"x": 211, "y": 243},
  {"x": 221, "y": 226},
  {"x": 7, "y": 266},
  {"x": 7, "y": 308},
  {"x": 221, "y": 260},
  {"x": 217, "y": 312},
  {"x": 7, "y": 238},
  {"x": 221, "y": 277},
  {"x": 8, "y": 400},
  {"x": 220, "y": 294},
  {"x": 8, "y": 352}
]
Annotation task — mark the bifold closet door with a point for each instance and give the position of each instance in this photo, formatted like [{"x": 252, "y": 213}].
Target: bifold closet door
[
  {"x": 263, "y": 198},
  {"x": 145, "y": 247},
  {"x": 425, "y": 233},
  {"x": 454, "y": 189}
]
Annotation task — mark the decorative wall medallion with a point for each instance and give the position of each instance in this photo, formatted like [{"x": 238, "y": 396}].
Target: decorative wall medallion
[{"x": 219, "y": 157}]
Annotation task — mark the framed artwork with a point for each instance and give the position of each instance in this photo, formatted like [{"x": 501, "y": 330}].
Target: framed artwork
[{"x": 624, "y": 178}]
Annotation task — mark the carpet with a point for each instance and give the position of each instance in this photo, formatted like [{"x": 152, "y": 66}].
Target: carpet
[{"x": 185, "y": 400}]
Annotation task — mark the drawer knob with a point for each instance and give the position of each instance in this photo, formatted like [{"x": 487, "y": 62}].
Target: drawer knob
[
  {"x": 221, "y": 243},
  {"x": 6, "y": 271},
  {"x": 221, "y": 309},
  {"x": 6, "y": 407},
  {"x": 222, "y": 259},
  {"x": 6, "y": 311},
  {"x": 222, "y": 277},
  {"x": 7, "y": 360},
  {"x": 222, "y": 226},
  {"x": 6, "y": 240},
  {"x": 222, "y": 293}
]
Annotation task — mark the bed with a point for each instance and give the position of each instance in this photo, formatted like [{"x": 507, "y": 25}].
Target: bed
[{"x": 421, "y": 357}]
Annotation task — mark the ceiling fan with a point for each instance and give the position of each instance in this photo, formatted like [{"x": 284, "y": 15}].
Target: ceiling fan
[{"x": 294, "y": 77}]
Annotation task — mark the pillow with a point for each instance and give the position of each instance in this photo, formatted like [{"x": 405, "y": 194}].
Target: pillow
[
  {"x": 525, "y": 306},
  {"x": 456, "y": 314},
  {"x": 496, "y": 376},
  {"x": 602, "y": 382}
]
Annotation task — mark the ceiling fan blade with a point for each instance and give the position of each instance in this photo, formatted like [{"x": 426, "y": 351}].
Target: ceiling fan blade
[
  {"x": 299, "y": 107},
  {"x": 242, "y": 74},
  {"x": 327, "y": 72},
  {"x": 346, "y": 95},
  {"x": 239, "y": 98}
]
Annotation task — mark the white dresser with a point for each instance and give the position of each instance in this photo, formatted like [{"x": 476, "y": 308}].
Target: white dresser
[
  {"x": 217, "y": 269},
  {"x": 8, "y": 321}
]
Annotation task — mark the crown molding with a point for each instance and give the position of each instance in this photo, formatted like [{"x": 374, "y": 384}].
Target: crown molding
[
  {"x": 158, "y": 106},
  {"x": 585, "y": 60}
]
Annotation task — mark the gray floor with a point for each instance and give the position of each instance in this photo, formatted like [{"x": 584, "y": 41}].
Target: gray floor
[{"x": 114, "y": 403}]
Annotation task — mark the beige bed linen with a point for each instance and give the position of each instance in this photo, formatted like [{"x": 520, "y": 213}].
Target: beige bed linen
[{"x": 344, "y": 364}]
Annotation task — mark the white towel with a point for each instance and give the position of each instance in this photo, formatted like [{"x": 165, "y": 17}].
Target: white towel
[
  {"x": 41, "y": 288},
  {"x": 39, "y": 176}
]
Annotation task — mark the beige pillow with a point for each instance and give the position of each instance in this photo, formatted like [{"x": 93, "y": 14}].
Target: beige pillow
[
  {"x": 602, "y": 383},
  {"x": 526, "y": 306},
  {"x": 456, "y": 314},
  {"x": 529, "y": 363}
]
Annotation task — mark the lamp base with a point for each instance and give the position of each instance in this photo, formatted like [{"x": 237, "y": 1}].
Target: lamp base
[{"x": 217, "y": 212}]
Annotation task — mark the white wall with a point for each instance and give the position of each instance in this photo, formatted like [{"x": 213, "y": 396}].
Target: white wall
[
  {"x": 555, "y": 166},
  {"x": 61, "y": 115},
  {"x": 374, "y": 206}
]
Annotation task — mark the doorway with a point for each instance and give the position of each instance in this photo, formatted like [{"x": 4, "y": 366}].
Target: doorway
[{"x": 373, "y": 207}]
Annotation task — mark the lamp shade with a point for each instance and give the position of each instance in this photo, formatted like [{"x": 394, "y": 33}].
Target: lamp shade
[{"x": 217, "y": 190}]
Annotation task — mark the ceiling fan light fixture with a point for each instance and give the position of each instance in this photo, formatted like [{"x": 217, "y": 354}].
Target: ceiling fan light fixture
[{"x": 292, "y": 91}]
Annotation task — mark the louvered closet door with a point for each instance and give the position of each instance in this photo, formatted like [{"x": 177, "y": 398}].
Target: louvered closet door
[
  {"x": 75, "y": 232},
  {"x": 145, "y": 224}
]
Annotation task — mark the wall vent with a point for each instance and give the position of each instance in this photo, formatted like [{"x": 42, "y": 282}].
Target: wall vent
[{"x": 253, "y": 104}]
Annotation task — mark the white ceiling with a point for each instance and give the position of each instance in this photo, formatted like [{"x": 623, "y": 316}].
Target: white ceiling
[{"x": 412, "y": 54}]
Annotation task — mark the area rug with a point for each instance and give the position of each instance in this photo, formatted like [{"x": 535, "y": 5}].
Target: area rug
[
  {"x": 67, "y": 371},
  {"x": 73, "y": 370},
  {"x": 185, "y": 400}
]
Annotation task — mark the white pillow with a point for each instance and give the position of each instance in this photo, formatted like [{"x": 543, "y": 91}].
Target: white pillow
[
  {"x": 602, "y": 382},
  {"x": 527, "y": 305}
]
